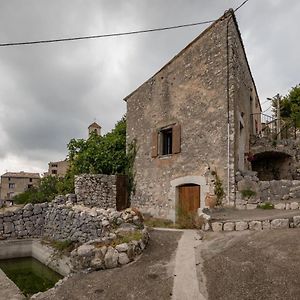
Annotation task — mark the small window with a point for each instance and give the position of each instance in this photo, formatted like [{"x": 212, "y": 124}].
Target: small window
[
  {"x": 8, "y": 178},
  {"x": 11, "y": 185},
  {"x": 30, "y": 179},
  {"x": 54, "y": 165},
  {"x": 29, "y": 186},
  {"x": 166, "y": 141},
  {"x": 54, "y": 171}
]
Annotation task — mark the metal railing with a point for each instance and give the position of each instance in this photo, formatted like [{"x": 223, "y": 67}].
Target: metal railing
[{"x": 288, "y": 129}]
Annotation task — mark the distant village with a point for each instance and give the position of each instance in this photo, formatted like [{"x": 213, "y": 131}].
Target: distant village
[{"x": 14, "y": 183}]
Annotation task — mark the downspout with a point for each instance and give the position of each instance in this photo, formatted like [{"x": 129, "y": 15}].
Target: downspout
[{"x": 228, "y": 114}]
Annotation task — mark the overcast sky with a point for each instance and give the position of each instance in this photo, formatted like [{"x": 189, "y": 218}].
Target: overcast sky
[{"x": 50, "y": 93}]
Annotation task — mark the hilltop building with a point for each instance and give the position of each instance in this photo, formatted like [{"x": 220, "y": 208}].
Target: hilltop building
[
  {"x": 58, "y": 168},
  {"x": 94, "y": 127}
]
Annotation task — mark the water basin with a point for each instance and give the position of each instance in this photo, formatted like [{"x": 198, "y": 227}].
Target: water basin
[{"x": 29, "y": 274}]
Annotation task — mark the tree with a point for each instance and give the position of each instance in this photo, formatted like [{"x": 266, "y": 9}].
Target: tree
[
  {"x": 290, "y": 106},
  {"x": 100, "y": 154}
]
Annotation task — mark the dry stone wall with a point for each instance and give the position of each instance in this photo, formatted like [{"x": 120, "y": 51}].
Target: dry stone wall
[
  {"x": 284, "y": 194},
  {"x": 96, "y": 190},
  {"x": 26, "y": 222},
  {"x": 79, "y": 223}
]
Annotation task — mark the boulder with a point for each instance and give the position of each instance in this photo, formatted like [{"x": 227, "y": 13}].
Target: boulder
[
  {"x": 280, "y": 223},
  {"x": 111, "y": 258},
  {"x": 241, "y": 225}
]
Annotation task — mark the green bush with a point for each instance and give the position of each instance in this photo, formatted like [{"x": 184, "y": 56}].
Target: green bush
[
  {"x": 247, "y": 193},
  {"x": 266, "y": 205}
]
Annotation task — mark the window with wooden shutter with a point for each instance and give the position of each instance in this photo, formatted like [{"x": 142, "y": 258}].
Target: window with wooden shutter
[
  {"x": 154, "y": 144},
  {"x": 176, "y": 139}
]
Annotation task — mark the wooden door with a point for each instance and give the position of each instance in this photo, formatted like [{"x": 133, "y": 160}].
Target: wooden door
[{"x": 189, "y": 198}]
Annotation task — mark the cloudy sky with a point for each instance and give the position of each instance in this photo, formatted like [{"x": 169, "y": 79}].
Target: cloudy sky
[{"x": 50, "y": 93}]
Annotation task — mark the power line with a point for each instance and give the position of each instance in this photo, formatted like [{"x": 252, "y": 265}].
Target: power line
[
  {"x": 241, "y": 5},
  {"x": 112, "y": 34},
  {"x": 104, "y": 35}
]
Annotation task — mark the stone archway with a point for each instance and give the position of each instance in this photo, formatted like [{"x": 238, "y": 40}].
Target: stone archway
[
  {"x": 272, "y": 165},
  {"x": 187, "y": 181}
]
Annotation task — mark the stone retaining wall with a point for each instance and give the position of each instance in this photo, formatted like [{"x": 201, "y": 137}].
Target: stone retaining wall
[
  {"x": 82, "y": 224},
  {"x": 284, "y": 223},
  {"x": 96, "y": 190},
  {"x": 284, "y": 194},
  {"x": 23, "y": 222}
]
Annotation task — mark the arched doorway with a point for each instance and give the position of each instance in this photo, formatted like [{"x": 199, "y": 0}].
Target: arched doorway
[
  {"x": 272, "y": 165},
  {"x": 188, "y": 198}
]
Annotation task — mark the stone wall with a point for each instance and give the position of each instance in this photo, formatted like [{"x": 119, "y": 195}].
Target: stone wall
[
  {"x": 66, "y": 221},
  {"x": 23, "y": 222},
  {"x": 284, "y": 194},
  {"x": 284, "y": 223},
  {"x": 96, "y": 190}
]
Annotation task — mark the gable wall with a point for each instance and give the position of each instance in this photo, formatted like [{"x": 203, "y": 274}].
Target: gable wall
[{"x": 190, "y": 91}]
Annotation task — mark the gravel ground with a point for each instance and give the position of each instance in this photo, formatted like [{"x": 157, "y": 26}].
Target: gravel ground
[
  {"x": 251, "y": 265},
  {"x": 151, "y": 277}
]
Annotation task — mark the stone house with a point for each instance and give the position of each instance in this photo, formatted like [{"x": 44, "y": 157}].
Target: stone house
[
  {"x": 13, "y": 183},
  {"x": 58, "y": 168},
  {"x": 194, "y": 116}
]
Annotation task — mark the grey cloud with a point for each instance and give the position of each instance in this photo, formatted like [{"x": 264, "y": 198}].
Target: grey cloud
[{"x": 50, "y": 93}]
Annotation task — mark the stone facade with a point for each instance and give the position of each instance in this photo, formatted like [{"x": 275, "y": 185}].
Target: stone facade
[
  {"x": 188, "y": 104},
  {"x": 58, "y": 168},
  {"x": 96, "y": 190},
  {"x": 14, "y": 183}
]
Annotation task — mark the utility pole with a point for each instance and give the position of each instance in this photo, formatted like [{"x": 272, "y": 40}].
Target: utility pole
[
  {"x": 277, "y": 97},
  {"x": 278, "y": 129}
]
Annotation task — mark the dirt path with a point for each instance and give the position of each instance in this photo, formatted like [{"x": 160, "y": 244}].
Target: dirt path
[
  {"x": 151, "y": 277},
  {"x": 249, "y": 265}
]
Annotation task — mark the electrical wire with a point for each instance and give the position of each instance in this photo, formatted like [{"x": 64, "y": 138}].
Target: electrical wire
[{"x": 111, "y": 34}]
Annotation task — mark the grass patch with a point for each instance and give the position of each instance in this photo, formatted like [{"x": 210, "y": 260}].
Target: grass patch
[
  {"x": 121, "y": 238},
  {"x": 64, "y": 247},
  {"x": 247, "y": 193},
  {"x": 266, "y": 205},
  {"x": 157, "y": 222}
]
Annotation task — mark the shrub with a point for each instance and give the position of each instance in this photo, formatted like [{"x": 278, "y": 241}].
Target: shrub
[
  {"x": 266, "y": 205},
  {"x": 247, "y": 193}
]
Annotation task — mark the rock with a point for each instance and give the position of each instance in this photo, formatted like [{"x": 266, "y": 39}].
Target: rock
[
  {"x": 85, "y": 250},
  {"x": 111, "y": 258},
  {"x": 251, "y": 206},
  {"x": 217, "y": 226},
  {"x": 242, "y": 225},
  {"x": 240, "y": 206},
  {"x": 266, "y": 224},
  {"x": 279, "y": 206},
  {"x": 28, "y": 206},
  {"x": 296, "y": 220},
  {"x": 122, "y": 247},
  {"x": 8, "y": 227},
  {"x": 228, "y": 226},
  {"x": 294, "y": 205},
  {"x": 255, "y": 225},
  {"x": 123, "y": 259},
  {"x": 280, "y": 223}
]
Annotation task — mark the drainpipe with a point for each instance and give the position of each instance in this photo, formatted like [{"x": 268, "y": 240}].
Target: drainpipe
[{"x": 228, "y": 107}]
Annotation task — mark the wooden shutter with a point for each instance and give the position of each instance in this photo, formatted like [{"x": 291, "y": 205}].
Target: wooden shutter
[
  {"x": 176, "y": 132},
  {"x": 154, "y": 144}
]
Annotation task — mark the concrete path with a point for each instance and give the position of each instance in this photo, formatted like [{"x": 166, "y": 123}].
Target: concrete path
[
  {"x": 8, "y": 290},
  {"x": 185, "y": 285}
]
